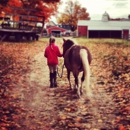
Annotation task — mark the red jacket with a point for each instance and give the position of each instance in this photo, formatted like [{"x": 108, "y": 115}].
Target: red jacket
[{"x": 52, "y": 53}]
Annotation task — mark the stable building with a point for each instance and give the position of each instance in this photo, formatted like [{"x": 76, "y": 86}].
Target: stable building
[
  {"x": 104, "y": 28},
  {"x": 55, "y": 31}
]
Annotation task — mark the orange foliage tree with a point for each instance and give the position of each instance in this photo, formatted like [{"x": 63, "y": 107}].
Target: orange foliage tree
[
  {"x": 72, "y": 13},
  {"x": 3, "y": 3},
  {"x": 42, "y": 8}
]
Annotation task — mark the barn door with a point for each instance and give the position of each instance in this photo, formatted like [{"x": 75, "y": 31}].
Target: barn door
[
  {"x": 125, "y": 34},
  {"x": 82, "y": 30}
]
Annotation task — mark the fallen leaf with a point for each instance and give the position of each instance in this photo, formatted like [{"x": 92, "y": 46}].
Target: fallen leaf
[{"x": 122, "y": 127}]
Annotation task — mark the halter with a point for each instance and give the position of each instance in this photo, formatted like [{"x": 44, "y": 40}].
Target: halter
[{"x": 60, "y": 76}]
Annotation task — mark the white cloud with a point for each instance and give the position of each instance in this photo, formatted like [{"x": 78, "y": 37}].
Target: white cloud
[
  {"x": 95, "y": 8},
  {"x": 115, "y": 8}
]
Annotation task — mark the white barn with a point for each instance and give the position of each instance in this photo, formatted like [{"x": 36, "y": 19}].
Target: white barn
[{"x": 104, "y": 28}]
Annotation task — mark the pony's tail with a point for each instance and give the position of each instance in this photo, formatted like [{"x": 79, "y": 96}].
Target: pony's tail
[{"x": 86, "y": 83}]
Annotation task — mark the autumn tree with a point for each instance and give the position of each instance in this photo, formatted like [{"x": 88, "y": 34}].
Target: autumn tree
[
  {"x": 3, "y": 3},
  {"x": 73, "y": 12},
  {"x": 42, "y": 8}
]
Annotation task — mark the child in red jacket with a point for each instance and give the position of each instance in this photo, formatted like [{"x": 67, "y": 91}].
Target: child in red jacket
[{"x": 52, "y": 53}]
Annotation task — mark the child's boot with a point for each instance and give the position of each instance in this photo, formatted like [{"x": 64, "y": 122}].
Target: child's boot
[
  {"x": 51, "y": 80},
  {"x": 55, "y": 83}
]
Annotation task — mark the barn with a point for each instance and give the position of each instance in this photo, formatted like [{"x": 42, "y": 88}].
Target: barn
[
  {"x": 104, "y": 28},
  {"x": 58, "y": 30},
  {"x": 55, "y": 31}
]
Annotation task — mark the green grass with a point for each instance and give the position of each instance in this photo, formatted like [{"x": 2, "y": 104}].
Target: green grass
[{"x": 85, "y": 41}]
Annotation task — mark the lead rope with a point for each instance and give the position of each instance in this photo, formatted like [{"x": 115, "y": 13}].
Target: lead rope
[{"x": 61, "y": 72}]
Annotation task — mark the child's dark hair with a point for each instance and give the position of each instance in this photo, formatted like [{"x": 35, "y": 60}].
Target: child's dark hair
[{"x": 51, "y": 40}]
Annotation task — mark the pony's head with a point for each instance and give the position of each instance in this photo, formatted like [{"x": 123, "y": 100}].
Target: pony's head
[{"x": 67, "y": 44}]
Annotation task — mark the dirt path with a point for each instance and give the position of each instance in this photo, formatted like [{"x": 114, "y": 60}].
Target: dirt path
[{"x": 58, "y": 108}]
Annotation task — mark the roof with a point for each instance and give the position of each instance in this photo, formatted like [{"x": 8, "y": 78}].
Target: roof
[
  {"x": 100, "y": 25},
  {"x": 50, "y": 23},
  {"x": 55, "y": 28},
  {"x": 105, "y": 14}
]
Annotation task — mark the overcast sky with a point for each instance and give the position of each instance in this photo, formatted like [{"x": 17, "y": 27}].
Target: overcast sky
[
  {"x": 95, "y": 8},
  {"x": 115, "y": 8}
]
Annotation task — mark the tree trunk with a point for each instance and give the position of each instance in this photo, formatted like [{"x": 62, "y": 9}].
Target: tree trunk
[{"x": 43, "y": 22}]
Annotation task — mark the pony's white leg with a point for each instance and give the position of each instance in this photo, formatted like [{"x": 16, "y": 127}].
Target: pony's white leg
[
  {"x": 79, "y": 91},
  {"x": 70, "y": 85},
  {"x": 81, "y": 88},
  {"x": 77, "y": 86}
]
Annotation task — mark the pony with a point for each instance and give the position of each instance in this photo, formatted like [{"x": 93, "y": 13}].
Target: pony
[{"x": 77, "y": 59}]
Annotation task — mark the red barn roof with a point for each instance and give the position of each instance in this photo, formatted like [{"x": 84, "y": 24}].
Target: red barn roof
[{"x": 55, "y": 28}]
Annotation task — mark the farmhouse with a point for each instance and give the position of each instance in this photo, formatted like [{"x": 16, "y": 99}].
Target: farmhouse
[
  {"x": 104, "y": 28},
  {"x": 54, "y": 30},
  {"x": 57, "y": 30}
]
